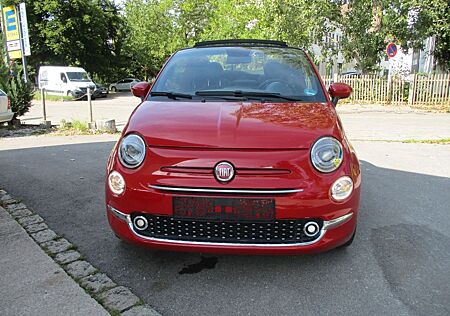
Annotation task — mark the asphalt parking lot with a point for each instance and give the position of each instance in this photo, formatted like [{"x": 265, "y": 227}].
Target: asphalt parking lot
[{"x": 398, "y": 264}]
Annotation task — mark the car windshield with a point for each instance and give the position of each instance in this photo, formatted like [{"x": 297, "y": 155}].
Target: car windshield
[
  {"x": 78, "y": 76},
  {"x": 2, "y": 93},
  {"x": 233, "y": 73}
]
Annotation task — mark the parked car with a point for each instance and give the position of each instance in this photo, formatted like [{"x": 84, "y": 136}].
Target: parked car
[
  {"x": 351, "y": 74},
  {"x": 100, "y": 91},
  {"x": 6, "y": 114},
  {"x": 236, "y": 148},
  {"x": 67, "y": 81},
  {"x": 123, "y": 85}
]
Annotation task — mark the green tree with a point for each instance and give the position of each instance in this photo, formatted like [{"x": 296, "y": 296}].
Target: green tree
[
  {"x": 364, "y": 38},
  {"x": 86, "y": 33},
  {"x": 151, "y": 36},
  {"x": 369, "y": 25},
  {"x": 191, "y": 18},
  {"x": 298, "y": 22}
]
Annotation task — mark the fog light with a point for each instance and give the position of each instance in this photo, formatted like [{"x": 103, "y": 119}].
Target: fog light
[
  {"x": 140, "y": 222},
  {"x": 116, "y": 182},
  {"x": 342, "y": 188},
  {"x": 311, "y": 229}
]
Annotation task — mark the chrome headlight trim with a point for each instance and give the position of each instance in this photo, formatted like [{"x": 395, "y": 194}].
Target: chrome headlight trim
[
  {"x": 139, "y": 143},
  {"x": 334, "y": 148},
  {"x": 345, "y": 194}
]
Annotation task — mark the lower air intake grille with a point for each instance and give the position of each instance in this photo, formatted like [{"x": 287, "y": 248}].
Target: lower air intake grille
[{"x": 273, "y": 232}]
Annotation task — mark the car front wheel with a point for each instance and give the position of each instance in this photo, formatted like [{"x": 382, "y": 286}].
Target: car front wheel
[{"x": 113, "y": 89}]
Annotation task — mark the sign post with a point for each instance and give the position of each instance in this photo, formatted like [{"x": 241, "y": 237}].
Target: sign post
[{"x": 391, "y": 51}]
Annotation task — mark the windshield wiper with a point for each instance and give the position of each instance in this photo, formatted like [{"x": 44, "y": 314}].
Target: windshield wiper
[
  {"x": 239, "y": 93},
  {"x": 170, "y": 95}
]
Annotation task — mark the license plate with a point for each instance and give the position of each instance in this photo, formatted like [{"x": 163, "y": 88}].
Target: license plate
[{"x": 223, "y": 208}]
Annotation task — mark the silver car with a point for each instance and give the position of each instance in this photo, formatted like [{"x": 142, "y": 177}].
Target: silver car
[
  {"x": 6, "y": 114},
  {"x": 124, "y": 84}
]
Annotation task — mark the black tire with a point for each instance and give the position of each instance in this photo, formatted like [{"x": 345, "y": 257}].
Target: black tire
[
  {"x": 71, "y": 94},
  {"x": 113, "y": 89},
  {"x": 349, "y": 242}
]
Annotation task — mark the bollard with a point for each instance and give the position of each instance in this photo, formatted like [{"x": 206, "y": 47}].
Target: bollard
[
  {"x": 90, "y": 105},
  {"x": 108, "y": 126},
  {"x": 91, "y": 122},
  {"x": 45, "y": 123},
  {"x": 43, "y": 104}
]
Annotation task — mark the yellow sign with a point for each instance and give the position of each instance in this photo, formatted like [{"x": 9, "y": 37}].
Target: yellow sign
[
  {"x": 11, "y": 28},
  {"x": 11, "y": 23},
  {"x": 17, "y": 54}
]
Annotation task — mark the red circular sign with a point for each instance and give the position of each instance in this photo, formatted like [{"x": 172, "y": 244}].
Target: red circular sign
[{"x": 391, "y": 50}]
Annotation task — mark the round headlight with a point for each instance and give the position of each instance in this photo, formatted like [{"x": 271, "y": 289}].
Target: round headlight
[
  {"x": 132, "y": 151},
  {"x": 326, "y": 154},
  {"x": 342, "y": 188},
  {"x": 116, "y": 182}
]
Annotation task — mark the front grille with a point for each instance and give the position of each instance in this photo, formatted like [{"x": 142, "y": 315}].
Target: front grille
[{"x": 272, "y": 232}]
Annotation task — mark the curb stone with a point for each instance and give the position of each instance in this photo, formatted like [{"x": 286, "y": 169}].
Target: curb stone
[
  {"x": 13, "y": 207},
  {"x": 97, "y": 283},
  {"x": 33, "y": 219},
  {"x": 67, "y": 256},
  {"x": 114, "y": 298},
  {"x": 44, "y": 236},
  {"x": 80, "y": 269},
  {"x": 57, "y": 245},
  {"x": 20, "y": 213},
  {"x": 119, "y": 299},
  {"x": 34, "y": 228}
]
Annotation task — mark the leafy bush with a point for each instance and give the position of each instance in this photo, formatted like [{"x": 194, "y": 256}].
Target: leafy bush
[{"x": 20, "y": 93}]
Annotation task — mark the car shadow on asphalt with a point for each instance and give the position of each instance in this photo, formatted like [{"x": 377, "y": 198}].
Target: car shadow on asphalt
[{"x": 400, "y": 254}]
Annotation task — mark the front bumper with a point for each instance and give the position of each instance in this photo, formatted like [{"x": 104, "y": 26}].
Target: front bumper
[
  {"x": 333, "y": 233},
  {"x": 300, "y": 195}
]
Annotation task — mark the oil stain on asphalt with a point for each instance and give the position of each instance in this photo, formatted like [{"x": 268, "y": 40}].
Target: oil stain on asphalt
[{"x": 205, "y": 263}]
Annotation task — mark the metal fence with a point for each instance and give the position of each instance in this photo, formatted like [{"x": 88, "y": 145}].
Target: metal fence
[{"x": 421, "y": 91}]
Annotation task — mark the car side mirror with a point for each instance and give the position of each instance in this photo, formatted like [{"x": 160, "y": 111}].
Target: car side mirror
[
  {"x": 141, "y": 89},
  {"x": 339, "y": 91}
]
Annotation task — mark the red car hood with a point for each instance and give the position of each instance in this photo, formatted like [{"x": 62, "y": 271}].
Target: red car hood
[{"x": 233, "y": 124}]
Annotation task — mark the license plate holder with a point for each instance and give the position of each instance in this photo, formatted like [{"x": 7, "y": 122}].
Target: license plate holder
[{"x": 226, "y": 209}]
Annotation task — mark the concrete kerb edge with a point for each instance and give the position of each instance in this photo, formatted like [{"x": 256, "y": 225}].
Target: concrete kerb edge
[{"x": 65, "y": 254}]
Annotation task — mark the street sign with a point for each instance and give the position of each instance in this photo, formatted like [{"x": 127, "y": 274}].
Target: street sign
[
  {"x": 13, "y": 45},
  {"x": 24, "y": 29},
  {"x": 391, "y": 50},
  {"x": 12, "y": 32}
]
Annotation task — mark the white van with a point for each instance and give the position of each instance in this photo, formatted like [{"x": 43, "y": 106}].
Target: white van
[
  {"x": 70, "y": 81},
  {"x": 6, "y": 114}
]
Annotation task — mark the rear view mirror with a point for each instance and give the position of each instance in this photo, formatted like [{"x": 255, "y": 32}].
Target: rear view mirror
[
  {"x": 339, "y": 91},
  {"x": 141, "y": 89}
]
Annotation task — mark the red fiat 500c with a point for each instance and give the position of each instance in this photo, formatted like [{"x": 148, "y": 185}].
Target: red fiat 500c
[{"x": 236, "y": 148}]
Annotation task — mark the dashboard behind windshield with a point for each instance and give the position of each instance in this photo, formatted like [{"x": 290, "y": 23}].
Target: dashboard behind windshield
[{"x": 270, "y": 70}]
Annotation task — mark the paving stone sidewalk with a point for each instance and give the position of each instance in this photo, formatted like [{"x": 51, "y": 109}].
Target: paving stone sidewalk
[{"x": 43, "y": 274}]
